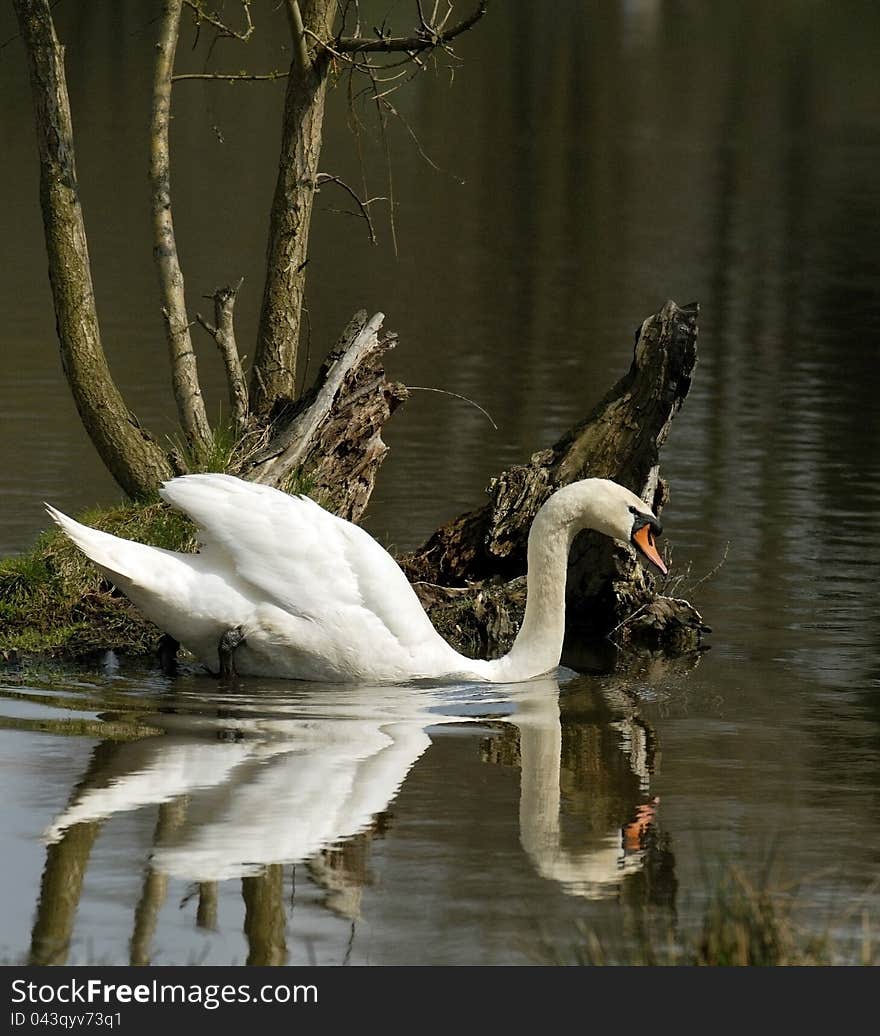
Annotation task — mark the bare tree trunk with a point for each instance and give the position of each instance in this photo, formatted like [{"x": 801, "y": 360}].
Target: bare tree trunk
[
  {"x": 184, "y": 370},
  {"x": 274, "y": 366},
  {"x": 131, "y": 456}
]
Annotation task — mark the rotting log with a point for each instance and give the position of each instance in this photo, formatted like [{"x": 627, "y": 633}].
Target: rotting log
[
  {"x": 329, "y": 442},
  {"x": 470, "y": 574}
]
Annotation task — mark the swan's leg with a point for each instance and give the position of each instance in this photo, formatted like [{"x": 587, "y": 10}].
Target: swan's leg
[
  {"x": 229, "y": 642},
  {"x": 168, "y": 648}
]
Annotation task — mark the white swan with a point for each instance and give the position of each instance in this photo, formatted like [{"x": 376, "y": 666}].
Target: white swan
[{"x": 317, "y": 598}]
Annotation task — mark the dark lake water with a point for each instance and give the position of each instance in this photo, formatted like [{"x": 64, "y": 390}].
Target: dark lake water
[{"x": 726, "y": 153}]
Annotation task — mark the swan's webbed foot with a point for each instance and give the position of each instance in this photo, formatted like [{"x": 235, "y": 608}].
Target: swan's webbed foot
[
  {"x": 168, "y": 648},
  {"x": 229, "y": 643}
]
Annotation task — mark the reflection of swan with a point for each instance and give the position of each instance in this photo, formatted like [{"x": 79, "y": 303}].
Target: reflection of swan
[
  {"x": 285, "y": 788},
  {"x": 301, "y": 778},
  {"x": 317, "y": 598},
  {"x": 296, "y": 804},
  {"x": 592, "y": 872}
]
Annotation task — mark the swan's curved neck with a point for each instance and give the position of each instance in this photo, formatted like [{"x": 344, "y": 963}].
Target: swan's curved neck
[{"x": 538, "y": 645}]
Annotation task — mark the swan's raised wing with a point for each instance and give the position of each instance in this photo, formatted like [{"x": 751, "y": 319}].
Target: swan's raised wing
[{"x": 292, "y": 553}]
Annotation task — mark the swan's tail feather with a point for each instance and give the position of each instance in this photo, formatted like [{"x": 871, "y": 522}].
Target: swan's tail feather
[{"x": 124, "y": 562}]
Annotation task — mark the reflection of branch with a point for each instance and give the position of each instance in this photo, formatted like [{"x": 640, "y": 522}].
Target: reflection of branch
[
  {"x": 67, "y": 858},
  {"x": 429, "y": 38}
]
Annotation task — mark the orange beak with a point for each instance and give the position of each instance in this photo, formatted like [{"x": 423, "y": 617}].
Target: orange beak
[{"x": 644, "y": 540}]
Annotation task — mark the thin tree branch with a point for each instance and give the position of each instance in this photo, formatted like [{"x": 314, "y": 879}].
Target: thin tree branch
[
  {"x": 383, "y": 132},
  {"x": 455, "y": 395},
  {"x": 362, "y": 205},
  {"x": 230, "y": 77},
  {"x": 223, "y": 333},
  {"x": 428, "y": 39},
  {"x": 184, "y": 369},
  {"x": 298, "y": 32},
  {"x": 203, "y": 15}
]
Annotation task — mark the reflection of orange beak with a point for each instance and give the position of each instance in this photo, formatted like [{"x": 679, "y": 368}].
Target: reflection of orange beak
[
  {"x": 634, "y": 833},
  {"x": 644, "y": 540}
]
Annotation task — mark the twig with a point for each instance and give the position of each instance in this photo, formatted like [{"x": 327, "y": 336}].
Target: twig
[
  {"x": 386, "y": 150},
  {"x": 362, "y": 205},
  {"x": 223, "y": 333},
  {"x": 675, "y": 583},
  {"x": 306, "y": 318},
  {"x": 202, "y": 15},
  {"x": 626, "y": 621},
  {"x": 456, "y": 395},
  {"x": 381, "y": 98},
  {"x": 230, "y": 77},
  {"x": 429, "y": 38}
]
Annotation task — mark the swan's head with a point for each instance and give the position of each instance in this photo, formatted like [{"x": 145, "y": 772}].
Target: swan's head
[{"x": 609, "y": 508}]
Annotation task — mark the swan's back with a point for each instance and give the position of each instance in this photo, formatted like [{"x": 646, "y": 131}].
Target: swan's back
[
  {"x": 295, "y": 554},
  {"x": 315, "y": 597},
  {"x": 319, "y": 583}
]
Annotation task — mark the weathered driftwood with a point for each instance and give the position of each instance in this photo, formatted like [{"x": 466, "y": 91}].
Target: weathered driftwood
[
  {"x": 469, "y": 574},
  {"x": 329, "y": 442}
]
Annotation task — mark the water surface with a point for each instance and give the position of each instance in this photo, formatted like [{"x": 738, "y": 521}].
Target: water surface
[{"x": 725, "y": 153}]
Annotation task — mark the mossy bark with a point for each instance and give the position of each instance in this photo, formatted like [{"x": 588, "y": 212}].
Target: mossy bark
[{"x": 132, "y": 457}]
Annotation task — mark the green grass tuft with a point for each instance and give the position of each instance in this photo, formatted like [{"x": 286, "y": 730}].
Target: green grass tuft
[
  {"x": 54, "y": 602},
  {"x": 744, "y": 924},
  {"x": 218, "y": 454}
]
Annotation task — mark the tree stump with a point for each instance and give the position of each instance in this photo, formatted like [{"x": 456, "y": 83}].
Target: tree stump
[
  {"x": 329, "y": 442},
  {"x": 470, "y": 574}
]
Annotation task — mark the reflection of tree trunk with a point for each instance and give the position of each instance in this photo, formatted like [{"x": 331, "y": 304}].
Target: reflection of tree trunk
[
  {"x": 63, "y": 875},
  {"x": 343, "y": 872},
  {"x": 264, "y": 919},
  {"x": 132, "y": 457},
  {"x": 206, "y": 915},
  {"x": 60, "y": 891},
  {"x": 171, "y": 816}
]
